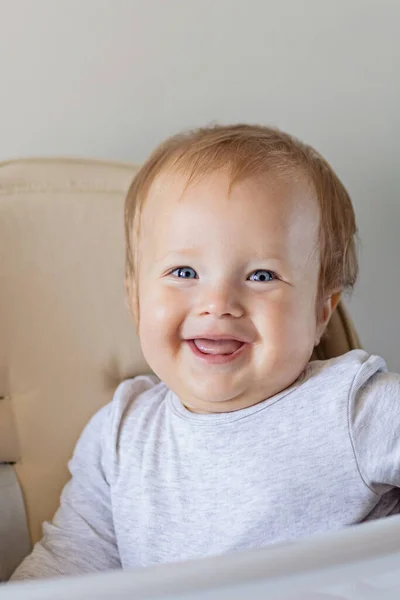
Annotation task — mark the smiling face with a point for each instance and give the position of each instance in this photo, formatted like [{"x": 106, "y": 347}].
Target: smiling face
[{"x": 228, "y": 287}]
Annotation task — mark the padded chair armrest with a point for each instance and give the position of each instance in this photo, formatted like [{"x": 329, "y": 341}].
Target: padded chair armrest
[{"x": 14, "y": 535}]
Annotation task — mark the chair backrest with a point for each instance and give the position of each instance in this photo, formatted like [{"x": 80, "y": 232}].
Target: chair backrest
[{"x": 66, "y": 338}]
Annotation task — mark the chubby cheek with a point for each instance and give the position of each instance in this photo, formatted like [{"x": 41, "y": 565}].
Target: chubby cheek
[
  {"x": 287, "y": 329},
  {"x": 161, "y": 318}
]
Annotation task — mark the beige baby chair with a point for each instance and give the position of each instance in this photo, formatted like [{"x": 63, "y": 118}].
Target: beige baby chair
[{"x": 66, "y": 338}]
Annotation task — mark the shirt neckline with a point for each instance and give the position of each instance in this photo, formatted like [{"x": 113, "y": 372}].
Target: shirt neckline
[{"x": 210, "y": 419}]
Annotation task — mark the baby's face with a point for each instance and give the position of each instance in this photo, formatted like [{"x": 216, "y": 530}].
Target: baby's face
[{"x": 228, "y": 287}]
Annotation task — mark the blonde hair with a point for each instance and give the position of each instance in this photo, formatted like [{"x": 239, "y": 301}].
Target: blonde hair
[{"x": 250, "y": 151}]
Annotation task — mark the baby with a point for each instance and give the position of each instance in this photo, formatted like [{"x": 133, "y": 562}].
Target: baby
[{"x": 240, "y": 242}]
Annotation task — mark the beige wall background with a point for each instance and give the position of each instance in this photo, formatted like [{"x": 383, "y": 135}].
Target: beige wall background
[{"x": 111, "y": 78}]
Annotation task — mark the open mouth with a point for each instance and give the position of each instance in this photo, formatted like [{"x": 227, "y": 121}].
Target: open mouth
[
  {"x": 217, "y": 351},
  {"x": 207, "y": 346}
]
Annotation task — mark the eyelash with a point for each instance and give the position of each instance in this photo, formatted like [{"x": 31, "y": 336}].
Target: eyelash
[
  {"x": 273, "y": 275},
  {"x": 183, "y": 269}
]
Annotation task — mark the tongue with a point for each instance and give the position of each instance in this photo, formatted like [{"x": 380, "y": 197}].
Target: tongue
[{"x": 217, "y": 346}]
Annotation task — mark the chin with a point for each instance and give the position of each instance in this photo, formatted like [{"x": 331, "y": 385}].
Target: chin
[{"x": 217, "y": 397}]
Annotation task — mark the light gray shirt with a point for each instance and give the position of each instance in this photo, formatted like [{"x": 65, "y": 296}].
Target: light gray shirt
[{"x": 153, "y": 483}]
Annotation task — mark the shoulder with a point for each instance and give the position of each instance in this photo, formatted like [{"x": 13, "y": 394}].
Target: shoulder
[
  {"x": 132, "y": 396},
  {"x": 372, "y": 396},
  {"x": 137, "y": 403},
  {"x": 363, "y": 375},
  {"x": 374, "y": 423},
  {"x": 357, "y": 381},
  {"x": 117, "y": 426},
  {"x": 375, "y": 394},
  {"x": 136, "y": 395},
  {"x": 350, "y": 362},
  {"x": 351, "y": 370},
  {"x": 366, "y": 375},
  {"x": 368, "y": 398}
]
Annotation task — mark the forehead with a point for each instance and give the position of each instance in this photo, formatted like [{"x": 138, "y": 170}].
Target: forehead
[
  {"x": 267, "y": 210},
  {"x": 283, "y": 193}
]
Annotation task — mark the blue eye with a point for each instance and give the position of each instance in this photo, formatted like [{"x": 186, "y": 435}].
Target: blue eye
[
  {"x": 185, "y": 273},
  {"x": 262, "y": 275}
]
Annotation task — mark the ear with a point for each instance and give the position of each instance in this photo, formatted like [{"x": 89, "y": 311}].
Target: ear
[{"x": 325, "y": 314}]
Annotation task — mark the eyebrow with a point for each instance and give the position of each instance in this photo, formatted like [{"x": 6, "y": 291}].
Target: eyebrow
[
  {"x": 193, "y": 252},
  {"x": 189, "y": 252}
]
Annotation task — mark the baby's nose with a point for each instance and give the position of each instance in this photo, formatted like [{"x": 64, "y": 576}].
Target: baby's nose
[{"x": 220, "y": 301}]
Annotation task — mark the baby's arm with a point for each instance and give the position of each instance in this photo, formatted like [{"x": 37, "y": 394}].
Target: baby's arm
[
  {"x": 375, "y": 425},
  {"x": 81, "y": 537}
]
